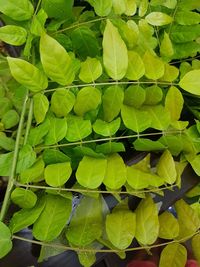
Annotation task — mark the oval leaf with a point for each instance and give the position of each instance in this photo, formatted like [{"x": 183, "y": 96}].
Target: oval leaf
[
  {"x": 154, "y": 67},
  {"x": 14, "y": 35},
  {"x": 191, "y": 82},
  {"x": 91, "y": 70},
  {"x": 40, "y": 107},
  {"x": 196, "y": 247},
  {"x": 169, "y": 227},
  {"x": 158, "y": 19},
  {"x": 106, "y": 128},
  {"x": 24, "y": 198},
  {"x": 135, "y": 68},
  {"x": 5, "y": 240}
]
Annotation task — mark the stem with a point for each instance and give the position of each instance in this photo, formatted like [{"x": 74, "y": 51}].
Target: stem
[
  {"x": 14, "y": 163},
  {"x": 29, "y": 121}
]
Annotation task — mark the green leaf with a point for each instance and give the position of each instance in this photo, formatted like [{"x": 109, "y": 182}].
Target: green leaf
[
  {"x": 91, "y": 172},
  {"x": 173, "y": 143},
  {"x": 131, "y": 7},
  {"x": 53, "y": 218},
  {"x": 166, "y": 167},
  {"x": 154, "y": 95},
  {"x": 40, "y": 107},
  {"x": 56, "y": 61},
  {"x": 38, "y": 22},
  {"x": 174, "y": 255},
  {"x": 88, "y": 98},
  {"x": 24, "y": 198},
  {"x": 27, "y": 74},
  {"x": 34, "y": 173},
  {"x": 6, "y": 143},
  {"x": 59, "y": 9},
  {"x": 6, "y": 163},
  {"x": 57, "y": 131},
  {"x": 185, "y": 5},
  {"x": 5, "y": 105},
  {"x": 120, "y": 228},
  {"x": 171, "y": 73},
  {"x": 62, "y": 102},
  {"x": 81, "y": 151},
  {"x": 185, "y": 50},
  {"x": 57, "y": 174},
  {"x": 143, "y": 7},
  {"x": 106, "y": 128},
  {"x": 53, "y": 156},
  {"x": 110, "y": 147},
  {"x": 182, "y": 34},
  {"x": 169, "y": 227},
  {"x": 119, "y": 6},
  {"x": 10, "y": 119},
  {"x": 147, "y": 224},
  {"x": 5, "y": 240},
  {"x": 14, "y": 35},
  {"x": 78, "y": 128},
  {"x": 86, "y": 223},
  {"x": 135, "y": 119},
  {"x": 133, "y": 72},
  {"x": 112, "y": 101},
  {"x": 166, "y": 47},
  {"x": 158, "y": 19},
  {"x": 21, "y": 10},
  {"x": 36, "y": 134},
  {"x": 115, "y": 63},
  {"x": 115, "y": 176},
  {"x": 26, "y": 158},
  {"x": 187, "y": 18},
  {"x": 191, "y": 82},
  {"x": 134, "y": 96},
  {"x": 143, "y": 144},
  {"x": 154, "y": 67},
  {"x": 195, "y": 164},
  {"x": 91, "y": 70},
  {"x": 101, "y": 7},
  {"x": 196, "y": 247}
]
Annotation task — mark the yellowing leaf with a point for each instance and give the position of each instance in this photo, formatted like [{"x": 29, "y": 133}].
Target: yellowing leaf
[
  {"x": 135, "y": 66},
  {"x": 91, "y": 70},
  {"x": 191, "y": 82},
  {"x": 40, "y": 107},
  {"x": 154, "y": 67},
  {"x": 158, "y": 19},
  {"x": 196, "y": 247},
  {"x": 169, "y": 227}
]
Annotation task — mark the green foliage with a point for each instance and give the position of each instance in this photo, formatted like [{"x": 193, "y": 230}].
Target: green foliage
[
  {"x": 25, "y": 199},
  {"x": 5, "y": 240},
  {"x": 13, "y": 35}
]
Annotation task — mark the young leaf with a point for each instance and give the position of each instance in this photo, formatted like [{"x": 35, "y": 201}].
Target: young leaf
[
  {"x": 40, "y": 107},
  {"x": 191, "y": 82},
  {"x": 101, "y": 7},
  {"x": 10, "y": 119},
  {"x": 6, "y": 143},
  {"x": 6, "y": 163},
  {"x": 62, "y": 102},
  {"x": 14, "y": 35},
  {"x": 86, "y": 223},
  {"x": 27, "y": 74},
  {"x": 133, "y": 72},
  {"x": 57, "y": 174},
  {"x": 196, "y": 247},
  {"x": 56, "y": 61},
  {"x": 88, "y": 98},
  {"x": 173, "y": 255},
  {"x": 91, "y": 172},
  {"x": 158, "y": 19},
  {"x": 106, "y": 128},
  {"x": 53, "y": 218},
  {"x": 115, "y": 63},
  {"x": 5, "y": 240},
  {"x": 154, "y": 95},
  {"x": 37, "y": 25},
  {"x": 154, "y": 67},
  {"x": 34, "y": 173},
  {"x": 24, "y": 198},
  {"x": 115, "y": 176},
  {"x": 120, "y": 228},
  {"x": 134, "y": 96},
  {"x": 169, "y": 227},
  {"x": 91, "y": 70},
  {"x": 26, "y": 158},
  {"x": 166, "y": 47}
]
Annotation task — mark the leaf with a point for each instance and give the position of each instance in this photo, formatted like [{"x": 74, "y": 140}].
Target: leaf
[
  {"x": 191, "y": 82},
  {"x": 120, "y": 228},
  {"x": 147, "y": 224},
  {"x": 5, "y": 240},
  {"x": 5, "y": 105},
  {"x": 22, "y": 10},
  {"x": 27, "y": 74},
  {"x": 53, "y": 156},
  {"x": 185, "y": 5},
  {"x": 188, "y": 219},
  {"x": 166, "y": 47},
  {"x": 196, "y": 247},
  {"x": 88, "y": 98},
  {"x": 174, "y": 103},
  {"x": 36, "y": 134},
  {"x": 154, "y": 95},
  {"x": 195, "y": 164},
  {"x": 24, "y": 198},
  {"x": 78, "y": 128},
  {"x": 106, "y": 128},
  {"x": 174, "y": 255},
  {"x": 101, "y": 7},
  {"x": 6, "y": 143},
  {"x": 158, "y": 19},
  {"x": 171, "y": 73},
  {"x": 10, "y": 119},
  {"x": 143, "y": 7},
  {"x": 182, "y": 34},
  {"x": 62, "y": 102},
  {"x": 119, "y": 6},
  {"x": 112, "y": 101},
  {"x": 91, "y": 70},
  {"x": 6, "y": 163},
  {"x": 115, "y": 63},
  {"x": 81, "y": 151},
  {"x": 53, "y": 218},
  {"x": 173, "y": 143},
  {"x": 38, "y": 22},
  {"x": 57, "y": 174},
  {"x": 86, "y": 259},
  {"x": 187, "y": 18},
  {"x": 131, "y": 7},
  {"x": 57, "y": 131},
  {"x": 56, "y": 61},
  {"x": 34, "y": 173},
  {"x": 40, "y": 107},
  {"x": 14, "y": 35},
  {"x": 143, "y": 144},
  {"x": 134, "y": 96},
  {"x": 59, "y": 9},
  {"x": 26, "y": 158},
  {"x": 169, "y": 227},
  {"x": 115, "y": 175},
  {"x": 154, "y": 67},
  {"x": 91, "y": 172},
  {"x": 133, "y": 72},
  {"x": 135, "y": 119},
  {"x": 110, "y": 147},
  {"x": 86, "y": 223}
]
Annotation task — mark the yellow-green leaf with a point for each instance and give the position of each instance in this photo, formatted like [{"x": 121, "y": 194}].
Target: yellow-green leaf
[
  {"x": 158, "y": 19},
  {"x": 166, "y": 47},
  {"x": 196, "y": 247},
  {"x": 14, "y": 35},
  {"x": 91, "y": 70},
  {"x": 5, "y": 240},
  {"x": 131, "y": 7},
  {"x": 169, "y": 227},
  {"x": 40, "y": 107},
  {"x": 154, "y": 67},
  {"x": 135, "y": 66},
  {"x": 24, "y": 198},
  {"x": 191, "y": 82}
]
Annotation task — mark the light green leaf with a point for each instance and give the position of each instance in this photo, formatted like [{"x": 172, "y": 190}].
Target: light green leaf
[
  {"x": 101, "y": 7},
  {"x": 166, "y": 167},
  {"x": 169, "y": 227},
  {"x": 131, "y": 7},
  {"x": 195, "y": 164},
  {"x": 5, "y": 240},
  {"x": 40, "y": 107},
  {"x": 26, "y": 158},
  {"x": 56, "y": 61},
  {"x": 36, "y": 134},
  {"x": 166, "y": 47},
  {"x": 196, "y": 247},
  {"x": 143, "y": 144},
  {"x": 106, "y": 128},
  {"x": 5, "y": 105},
  {"x": 34, "y": 173},
  {"x": 6, "y": 143},
  {"x": 87, "y": 259},
  {"x": 91, "y": 70},
  {"x": 191, "y": 82},
  {"x": 147, "y": 224},
  {"x": 112, "y": 101},
  {"x": 154, "y": 67},
  {"x": 86, "y": 223},
  {"x": 189, "y": 5},
  {"x": 119, "y": 6},
  {"x": 115, "y": 63},
  {"x": 154, "y": 95},
  {"x": 182, "y": 34},
  {"x": 135, "y": 119},
  {"x": 173, "y": 255},
  {"x": 173, "y": 143},
  {"x": 81, "y": 151},
  {"x": 24, "y": 198},
  {"x": 88, "y": 98},
  {"x": 14, "y": 35},
  {"x": 27, "y": 74},
  {"x": 110, "y": 147},
  {"x": 38, "y": 22},
  {"x": 10, "y": 119},
  {"x": 135, "y": 68},
  {"x": 53, "y": 218},
  {"x": 143, "y": 7},
  {"x": 158, "y": 19},
  {"x": 53, "y": 156},
  {"x": 57, "y": 174},
  {"x": 187, "y": 18},
  {"x": 62, "y": 102},
  {"x": 115, "y": 176},
  {"x": 171, "y": 73},
  {"x": 120, "y": 228},
  {"x": 78, "y": 128},
  {"x": 91, "y": 172},
  {"x": 6, "y": 163},
  {"x": 134, "y": 96}
]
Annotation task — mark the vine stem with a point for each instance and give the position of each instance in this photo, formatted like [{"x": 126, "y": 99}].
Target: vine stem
[
  {"x": 11, "y": 180},
  {"x": 102, "y": 250},
  {"x": 29, "y": 121}
]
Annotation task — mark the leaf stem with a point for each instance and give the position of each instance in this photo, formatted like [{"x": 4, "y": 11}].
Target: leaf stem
[{"x": 29, "y": 121}]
